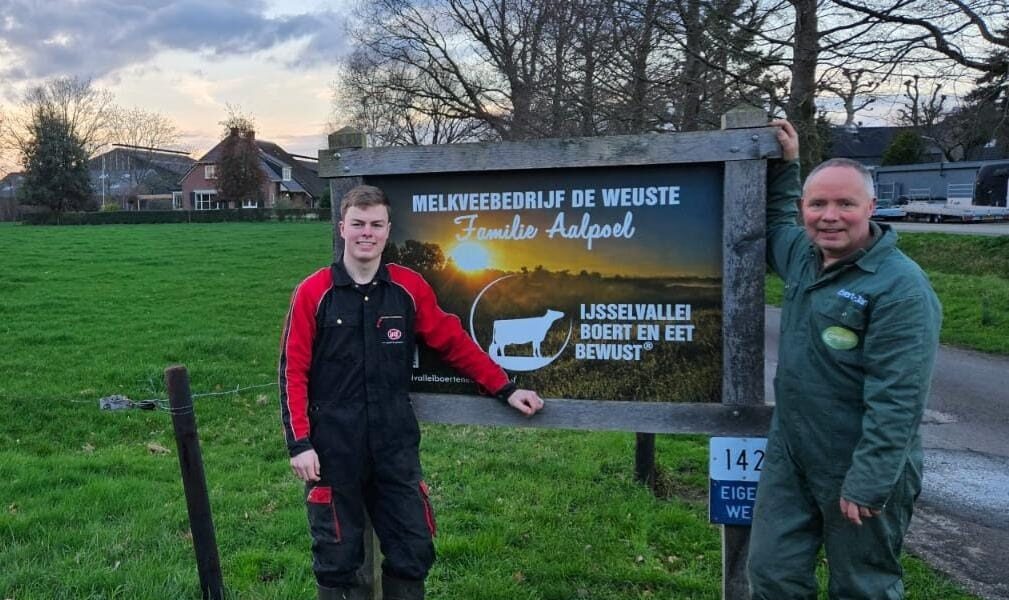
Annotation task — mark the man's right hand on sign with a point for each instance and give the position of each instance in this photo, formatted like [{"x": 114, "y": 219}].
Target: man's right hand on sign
[{"x": 788, "y": 138}]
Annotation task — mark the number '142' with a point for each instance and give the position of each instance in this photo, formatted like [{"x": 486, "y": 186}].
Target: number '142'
[{"x": 743, "y": 460}]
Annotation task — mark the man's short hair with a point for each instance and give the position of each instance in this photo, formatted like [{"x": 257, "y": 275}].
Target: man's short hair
[
  {"x": 364, "y": 196},
  {"x": 870, "y": 187}
]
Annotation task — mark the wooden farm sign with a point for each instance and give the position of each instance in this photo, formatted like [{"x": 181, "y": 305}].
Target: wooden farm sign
[{"x": 621, "y": 277}]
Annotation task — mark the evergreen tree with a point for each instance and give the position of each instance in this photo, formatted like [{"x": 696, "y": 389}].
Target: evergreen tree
[
  {"x": 907, "y": 148},
  {"x": 56, "y": 165},
  {"x": 239, "y": 177},
  {"x": 989, "y": 101}
]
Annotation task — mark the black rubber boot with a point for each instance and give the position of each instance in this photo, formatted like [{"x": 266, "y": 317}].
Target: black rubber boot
[
  {"x": 342, "y": 593},
  {"x": 394, "y": 588}
]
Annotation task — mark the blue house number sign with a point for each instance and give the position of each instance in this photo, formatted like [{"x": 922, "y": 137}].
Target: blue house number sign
[{"x": 734, "y": 471}]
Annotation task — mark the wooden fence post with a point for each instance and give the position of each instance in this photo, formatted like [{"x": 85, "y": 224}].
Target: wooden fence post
[
  {"x": 644, "y": 459},
  {"x": 743, "y": 242},
  {"x": 201, "y": 522},
  {"x": 346, "y": 139}
]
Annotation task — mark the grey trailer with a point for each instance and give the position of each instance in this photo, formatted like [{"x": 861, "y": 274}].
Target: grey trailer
[{"x": 963, "y": 191}]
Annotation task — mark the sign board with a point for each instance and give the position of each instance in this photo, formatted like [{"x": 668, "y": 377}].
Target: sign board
[
  {"x": 734, "y": 470},
  {"x": 594, "y": 284},
  {"x": 621, "y": 277}
]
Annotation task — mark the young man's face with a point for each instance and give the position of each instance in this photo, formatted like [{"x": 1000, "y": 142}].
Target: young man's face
[
  {"x": 836, "y": 208},
  {"x": 365, "y": 230}
]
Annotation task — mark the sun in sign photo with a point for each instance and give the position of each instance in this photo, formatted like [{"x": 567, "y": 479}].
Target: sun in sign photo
[{"x": 470, "y": 257}]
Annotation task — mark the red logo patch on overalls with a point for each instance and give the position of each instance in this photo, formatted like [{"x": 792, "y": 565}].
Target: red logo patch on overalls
[{"x": 394, "y": 334}]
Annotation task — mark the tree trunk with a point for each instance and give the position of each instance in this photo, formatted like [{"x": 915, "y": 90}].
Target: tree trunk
[{"x": 801, "y": 107}]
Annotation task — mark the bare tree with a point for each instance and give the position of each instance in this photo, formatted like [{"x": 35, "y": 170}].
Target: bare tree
[
  {"x": 811, "y": 47},
  {"x": 722, "y": 59},
  {"x": 923, "y": 112},
  {"x": 972, "y": 34},
  {"x": 507, "y": 69},
  {"x": 8, "y": 160},
  {"x": 468, "y": 57},
  {"x": 377, "y": 98},
  {"x": 75, "y": 101},
  {"x": 514, "y": 69},
  {"x": 855, "y": 88},
  {"x": 958, "y": 129},
  {"x": 145, "y": 132},
  {"x": 236, "y": 118},
  {"x": 962, "y": 31},
  {"x": 141, "y": 128}
]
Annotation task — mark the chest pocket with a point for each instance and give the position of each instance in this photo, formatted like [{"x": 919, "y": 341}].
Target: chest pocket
[
  {"x": 394, "y": 339},
  {"x": 841, "y": 324},
  {"x": 391, "y": 329},
  {"x": 339, "y": 337}
]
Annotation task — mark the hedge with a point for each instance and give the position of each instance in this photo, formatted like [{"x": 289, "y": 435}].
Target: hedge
[{"x": 176, "y": 216}]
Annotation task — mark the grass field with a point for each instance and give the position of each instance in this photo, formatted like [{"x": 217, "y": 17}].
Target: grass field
[{"x": 91, "y": 504}]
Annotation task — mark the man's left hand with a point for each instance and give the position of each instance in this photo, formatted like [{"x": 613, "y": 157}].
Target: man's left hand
[
  {"x": 855, "y": 512},
  {"x": 526, "y": 402}
]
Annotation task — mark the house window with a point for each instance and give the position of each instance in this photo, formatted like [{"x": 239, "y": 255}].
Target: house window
[
  {"x": 176, "y": 200},
  {"x": 287, "y": 174},
  {"x": 250, "y": 204},
  {"x": 210, "y": 171},
  {"x": 206, "y": 200}
]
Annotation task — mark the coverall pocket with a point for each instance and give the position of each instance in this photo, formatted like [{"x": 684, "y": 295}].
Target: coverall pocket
[
  {"x": 844, "y": 312},
  {"x": 339, "y": 336},
  {"x": 425, "y": 496},
  {"x": 396, "y": 345},
  {"x": 840, "y": 325},
  {"x": 322, "y": 517}
]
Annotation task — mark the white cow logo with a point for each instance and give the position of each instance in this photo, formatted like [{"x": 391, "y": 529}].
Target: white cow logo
[
  {"x": 529, "y": 330},
  {"x": 522, "y": 331}
]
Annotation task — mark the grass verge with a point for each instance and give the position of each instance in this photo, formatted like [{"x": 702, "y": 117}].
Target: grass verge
[{"x": 970, "y": 275}]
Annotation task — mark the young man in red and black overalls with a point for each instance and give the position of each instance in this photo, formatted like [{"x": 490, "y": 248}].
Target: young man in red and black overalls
[{"x": 345, "y": 364}]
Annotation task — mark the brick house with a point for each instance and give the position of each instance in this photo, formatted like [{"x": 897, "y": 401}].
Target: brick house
[{"x": 291, "y": 180}]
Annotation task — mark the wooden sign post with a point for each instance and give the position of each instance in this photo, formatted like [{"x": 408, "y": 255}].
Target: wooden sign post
[{"x": 617, "y": 204}]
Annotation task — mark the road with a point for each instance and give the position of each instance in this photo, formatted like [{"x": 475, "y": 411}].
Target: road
[
  {"x": 961, "y": 521},
  {"x": 962, "y": 228}
]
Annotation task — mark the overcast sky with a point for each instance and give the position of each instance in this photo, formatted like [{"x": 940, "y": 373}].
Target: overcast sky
[{"x": 186, "y": 59}]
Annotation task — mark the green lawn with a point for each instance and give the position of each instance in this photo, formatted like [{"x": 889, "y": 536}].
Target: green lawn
[{"x": 91, "y": 505}]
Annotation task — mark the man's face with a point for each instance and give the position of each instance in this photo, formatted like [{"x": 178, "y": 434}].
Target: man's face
[
  {"x": 365, "y": 230},
  {"x": 836, "y": 209}
]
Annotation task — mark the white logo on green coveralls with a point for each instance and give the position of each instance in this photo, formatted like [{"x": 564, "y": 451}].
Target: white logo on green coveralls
[{"x": 839, "y": 338}]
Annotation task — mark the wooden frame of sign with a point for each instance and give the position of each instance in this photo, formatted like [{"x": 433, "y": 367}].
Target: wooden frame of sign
[{"x": 743, "y": 146}]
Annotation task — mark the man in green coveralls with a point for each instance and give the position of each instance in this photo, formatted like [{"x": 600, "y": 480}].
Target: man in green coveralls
[{"x": 859, "y": 332}]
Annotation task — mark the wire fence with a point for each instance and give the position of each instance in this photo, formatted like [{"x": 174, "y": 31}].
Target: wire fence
[{"x": 120, "y": 402}]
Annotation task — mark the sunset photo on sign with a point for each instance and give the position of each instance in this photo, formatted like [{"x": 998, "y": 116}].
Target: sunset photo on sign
[{"x": 600, "y": 284}]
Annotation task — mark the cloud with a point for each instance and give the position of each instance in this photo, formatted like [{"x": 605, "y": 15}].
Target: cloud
[{"x": 94, "y": 38}]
